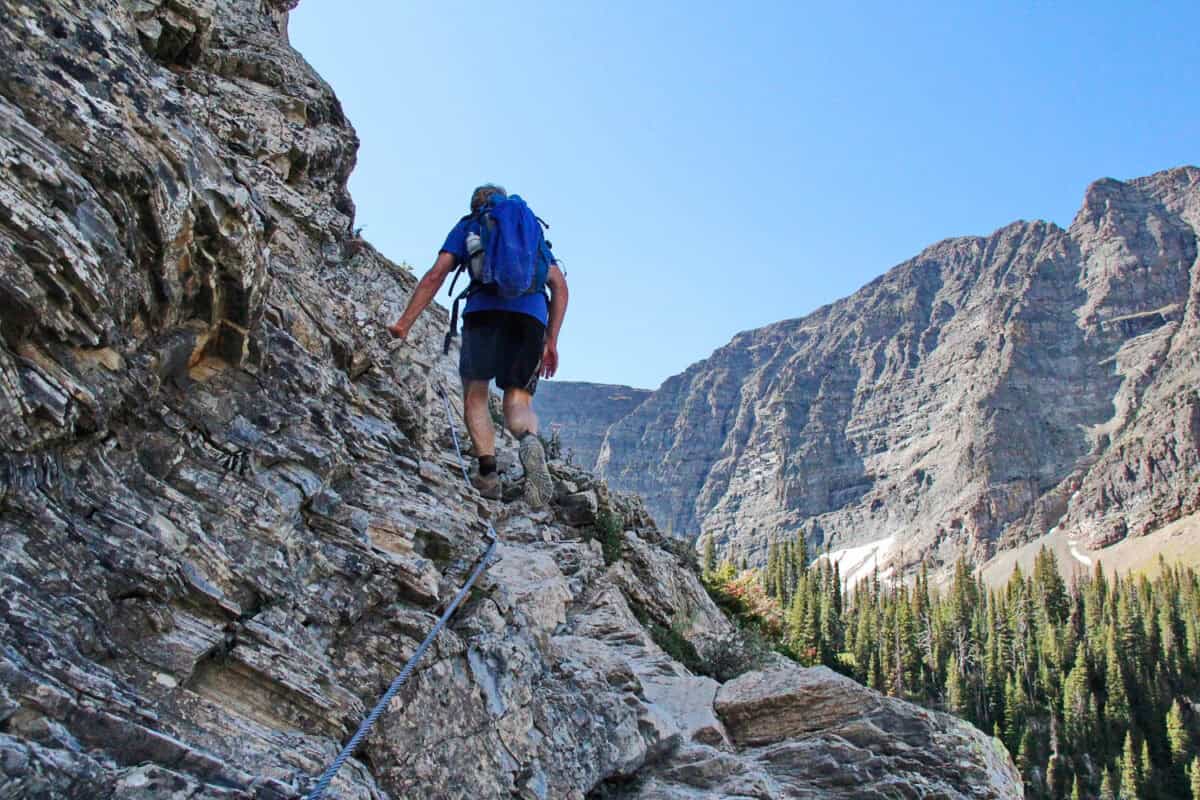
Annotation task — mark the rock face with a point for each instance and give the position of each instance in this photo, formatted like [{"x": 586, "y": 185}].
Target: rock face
[
  {"x": 582, "y": 413},
  {"x": 983, "y": 392},
  {"x": 813, "y": 733},
  {"x": 228, "y": 513}
]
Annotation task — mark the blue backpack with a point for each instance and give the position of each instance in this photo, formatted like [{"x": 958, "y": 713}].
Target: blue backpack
[{"x": 509, "y": 256}]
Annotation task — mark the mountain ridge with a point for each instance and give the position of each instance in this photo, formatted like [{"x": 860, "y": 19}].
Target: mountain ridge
[{"x": 1116, "y": 287}]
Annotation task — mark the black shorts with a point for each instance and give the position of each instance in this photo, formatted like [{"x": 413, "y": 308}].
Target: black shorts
[{"x": 504, "y": 345}]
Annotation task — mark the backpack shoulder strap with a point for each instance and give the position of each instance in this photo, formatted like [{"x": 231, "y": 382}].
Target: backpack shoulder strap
[
  {"x": 450, "y": 334},
  {"x": 457, "y": 274},
  {"x": 465, "y": 263}
]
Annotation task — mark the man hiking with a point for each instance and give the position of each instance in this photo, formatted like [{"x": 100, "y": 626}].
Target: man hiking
[{"x": 512, "y": 339}]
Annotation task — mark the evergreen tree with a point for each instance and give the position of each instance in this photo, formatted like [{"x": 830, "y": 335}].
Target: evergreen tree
[
  {"x": 1050, "y": 653},
  {"x": 1130, "y": 632},
  {"x": 1172, "y": 631},
  {"x": 787, "y": 573},
  {"x": 907, "y": 657},
  {"x": 710, "y": 556},
  {"x": 1095, "y": 610},
  {"x": 1153, "y": 657},
  {"x": 1145, "y": 780},
  {"x": 831, "y": 626},
  {"x": 1195, "y": 778},
  {"x": 874, "y": 678},
  {"x": 1014, "y": 711},
  {"x": 1049, "y": 588},
  {"x": 837, "y": 585},
  {"x": 812, "y": 624},
  {"x": 1027, "y": 755},
  {"x": 956, "y": 698},
  {"x": 772, "y": 571},
  {"x": 797, "y": 620},
  {"x": 1130, "y": 770},
  {"x": 1077, "y": 792},
  {"x": 1178, "y": 738},
  {"x": 1108, "y": 786},
  {"x": 1179, "y": 748},
  {"x": 1116, "y": 702},
  {"x": 864, "y": 641},
  {"x": 1079, "y": 709},
  {"x": 997, "y": 676},
  {"x": 801, "y": 554}
]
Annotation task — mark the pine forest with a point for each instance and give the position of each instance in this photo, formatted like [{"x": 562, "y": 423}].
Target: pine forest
[{"x": 1091, "y": 685}]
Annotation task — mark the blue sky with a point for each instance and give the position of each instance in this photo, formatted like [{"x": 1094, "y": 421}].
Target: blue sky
[{"x": 709, "y": 168}]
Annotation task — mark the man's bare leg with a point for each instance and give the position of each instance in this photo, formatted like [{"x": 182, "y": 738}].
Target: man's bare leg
[
  {"x": 523, "y": 423},
  {"x": 483, "y": 437},
  {"x": 479, "y": 418},
  {"x": 519, "y": 417}
]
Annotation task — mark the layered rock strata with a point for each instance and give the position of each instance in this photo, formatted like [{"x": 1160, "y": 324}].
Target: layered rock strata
[
  {"x": 229, "y": 513},
  {"x": 581, "y": 413},
  {"x": 984, "y": 392},
  {"x": 810, "y": 733}
]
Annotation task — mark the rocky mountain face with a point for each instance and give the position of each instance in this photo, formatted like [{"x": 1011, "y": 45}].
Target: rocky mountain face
[
  {"x": 229, "y": 513},
  {"x": 582, "y": 412},
  {"x": 984, "y": 392}
]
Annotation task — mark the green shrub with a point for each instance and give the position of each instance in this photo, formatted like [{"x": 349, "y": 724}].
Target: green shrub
[
  {"x": 742, "y": 650},
  {"x": 609, "y": 530},
  {"x": 677, "y": 646},
  {"x": 753, "y": 638}
]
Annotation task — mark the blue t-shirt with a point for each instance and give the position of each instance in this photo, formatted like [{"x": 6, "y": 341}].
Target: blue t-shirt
[{"x": 486, "y": 300}]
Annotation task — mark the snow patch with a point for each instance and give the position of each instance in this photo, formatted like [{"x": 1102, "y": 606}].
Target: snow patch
[
  {"x": 856, "y": 563},
  {"x": 1080, "y": 557}
]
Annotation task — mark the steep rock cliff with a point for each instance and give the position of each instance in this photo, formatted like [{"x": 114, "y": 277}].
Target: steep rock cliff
[
  {"x": 581, "y": 413},
  {"x": 987, "y": 390},
  {"x": 228, "y": 512}
]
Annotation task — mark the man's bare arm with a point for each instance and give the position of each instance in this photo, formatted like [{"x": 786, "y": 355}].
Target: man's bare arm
[
  {"x": 422, "y": 296},
  {"x": 558, "y": 310}
]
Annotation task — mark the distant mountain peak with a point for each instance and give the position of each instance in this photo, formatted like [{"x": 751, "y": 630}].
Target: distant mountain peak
[{"x": 972, "y": 397}]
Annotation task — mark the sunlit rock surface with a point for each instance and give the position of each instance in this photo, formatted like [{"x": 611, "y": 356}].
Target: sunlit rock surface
[{"x": 981, "y": 394}]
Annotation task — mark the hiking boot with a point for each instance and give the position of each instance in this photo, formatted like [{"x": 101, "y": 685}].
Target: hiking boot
[
  {"x": 539, "y": 488},
  {"x": 488, "y": 485}
]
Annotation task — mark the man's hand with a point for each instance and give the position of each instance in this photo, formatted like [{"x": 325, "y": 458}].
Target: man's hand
[
  {"x": 558, "y": 309},
  {"x": 423, "y": 295},
  {"x": 549, "y": 358},
  {"x": 398, "y": 330}
]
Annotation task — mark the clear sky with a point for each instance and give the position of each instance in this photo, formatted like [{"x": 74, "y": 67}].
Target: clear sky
[{"x": 708, "y": 168}]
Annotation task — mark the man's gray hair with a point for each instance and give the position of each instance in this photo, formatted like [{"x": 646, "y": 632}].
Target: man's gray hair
[{"x": 482, "y": 194}]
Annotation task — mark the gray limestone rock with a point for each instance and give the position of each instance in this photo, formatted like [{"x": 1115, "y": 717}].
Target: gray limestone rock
[
  {"x": 982, "y": 393},
  {"x": 810, "y": 733},
  {"x": 581, "y": 413}
]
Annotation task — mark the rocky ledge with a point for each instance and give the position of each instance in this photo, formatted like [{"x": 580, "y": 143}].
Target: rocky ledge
[{"x": 228, "y": 512}]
